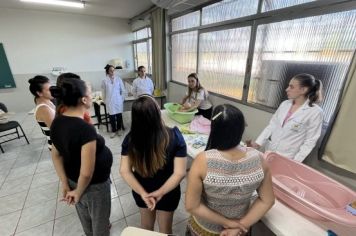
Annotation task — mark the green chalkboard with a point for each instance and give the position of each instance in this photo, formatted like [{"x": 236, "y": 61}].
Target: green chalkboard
[{"x": 6, "y": 78}]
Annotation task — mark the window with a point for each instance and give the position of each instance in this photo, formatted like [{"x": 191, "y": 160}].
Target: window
[
  {"x": 228, "y": 9},
  {"x": 184, "y": 55},
  {"x": 142, "y": 46},
  {"x": 222, "y": 60},
  {"x": 269, "y": 5},
  {"x": 252, "y": 60},
  {"x": 321, "y": 45},
  {"x": 187, "y": 21}
]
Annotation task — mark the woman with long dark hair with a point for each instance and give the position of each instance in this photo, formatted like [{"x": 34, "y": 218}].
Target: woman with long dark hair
[
  {"x": 153, "y": 164},
  {"x": 197, "y": 97}
]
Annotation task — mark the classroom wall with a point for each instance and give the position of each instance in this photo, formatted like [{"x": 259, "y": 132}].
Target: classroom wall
[{"x": 37, "y": 41}]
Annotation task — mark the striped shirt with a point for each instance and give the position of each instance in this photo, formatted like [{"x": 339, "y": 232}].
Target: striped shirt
[
  {"x": 43, "y": 126},
  {"x": 229, "y": 185}
]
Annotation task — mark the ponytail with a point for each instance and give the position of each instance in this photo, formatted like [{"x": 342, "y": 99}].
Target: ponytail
[
  {"x": 107, "y": 67},
  {"x": 314, "y": 94},
  {"x": 314, "y": 86}
]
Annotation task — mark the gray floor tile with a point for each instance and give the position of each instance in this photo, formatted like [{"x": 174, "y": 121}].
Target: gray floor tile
[
  {"x": 41, "y": 230},
  {"x": 68, "y": 226},
  {"x": 8, "y": 156},
  {"x": 8, "y": 223},
  {"x": 117, "y": 227},
  {"x": 113, "y": 191},
  {"x": 44, "y": 178},
  {"x": 121, "y": 187},
  {"x": 37, "y": 215},
  {"x": 3, "y": 177},
  {"x": 5, "y": 166},
  {"x": 115, "y": 171},
  {"x": 12, "y": 203},
  {"x": 116, "y": 210},
  {"x": 15, "y": 186},
  {"x": 180, "y": 213},
  {"x": 45, "y": 166},
  {"x": 24, "y": 171},
  {"x": 27, "y": 158},
  {"x": 128, "y": 204},
  {"x": 179, "y": 229},
  {"x": 41, "y": 194},
  {"x": 63, "y": 209},
  {"x": 134, "y": 220}
]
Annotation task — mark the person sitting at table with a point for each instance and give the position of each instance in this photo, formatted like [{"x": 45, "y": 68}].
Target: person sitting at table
[
  {"x": 153, "y": 164},
  {"x": 223, "y": 178},
  {"x": 197, "y": 98},
  {"x": 142, "y": 84},
  {"x": 113, "y": 91}
]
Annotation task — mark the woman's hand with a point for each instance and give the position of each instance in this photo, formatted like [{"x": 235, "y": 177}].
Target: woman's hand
[
  {"x": 235, "y": 224},
  {"x": 187, "y": 106},
  {"x": 250, "y": 143},
  {"x": 72, "y": 197},
  {"x": 65, "y": 190},
  {"x": 232, "y": 232},
  {"x": 149, "y": 201},
  {"x": 157, "y": 195}
]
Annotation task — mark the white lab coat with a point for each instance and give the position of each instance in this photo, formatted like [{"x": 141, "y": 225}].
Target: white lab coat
[
  {"x": 142, "y": 86},
  {"x": 113, "y": 94},
  {"x": 299, "y": 134}
]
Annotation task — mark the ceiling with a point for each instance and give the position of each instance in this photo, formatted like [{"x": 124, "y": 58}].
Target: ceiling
[{"x": 111, "y": 8}]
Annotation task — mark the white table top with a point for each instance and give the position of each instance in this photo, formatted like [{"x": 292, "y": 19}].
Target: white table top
[
  {"x": 190, "y": 139},
  {"x": 131, "y": 231}
]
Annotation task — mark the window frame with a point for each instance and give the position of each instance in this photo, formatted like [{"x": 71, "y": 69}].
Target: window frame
[
  {"x": 149, "y": 51},
  {"x": 315, "y": 8}
]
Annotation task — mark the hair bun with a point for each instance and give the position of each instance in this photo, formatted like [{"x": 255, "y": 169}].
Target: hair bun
[
  {"x": 56, "y": 91},
  {"x": 31, "y": 80}
]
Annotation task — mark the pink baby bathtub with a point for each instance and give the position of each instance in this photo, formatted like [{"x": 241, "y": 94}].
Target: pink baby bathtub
[{"x": 310, "y": 192}]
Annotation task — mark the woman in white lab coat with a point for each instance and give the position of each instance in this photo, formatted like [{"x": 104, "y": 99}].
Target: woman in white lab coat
[
  {"x": 296, "y": 125},
  {"x": 113, "y": 92}
]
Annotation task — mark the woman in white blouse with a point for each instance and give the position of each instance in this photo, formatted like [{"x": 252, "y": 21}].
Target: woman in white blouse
[
  {"x": 197, "y": 97},
  {"x": 142, "y": 84}
]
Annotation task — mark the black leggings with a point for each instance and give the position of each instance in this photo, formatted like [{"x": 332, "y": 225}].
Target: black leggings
[{"x": 116, "y": 122}]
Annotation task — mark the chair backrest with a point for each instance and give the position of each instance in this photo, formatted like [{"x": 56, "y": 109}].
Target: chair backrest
[{"x": 3, "y": 107}]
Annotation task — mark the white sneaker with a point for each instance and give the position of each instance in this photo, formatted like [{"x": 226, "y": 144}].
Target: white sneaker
[
  {"x": 120, "y": 132},
  {"x": 113, "y": 135}
]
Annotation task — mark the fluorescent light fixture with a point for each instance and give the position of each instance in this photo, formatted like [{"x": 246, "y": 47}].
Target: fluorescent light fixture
[{"x": 58, "y": 3}]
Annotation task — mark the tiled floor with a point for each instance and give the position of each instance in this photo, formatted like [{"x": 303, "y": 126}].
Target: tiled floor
[{"x": 29, "y": 191}]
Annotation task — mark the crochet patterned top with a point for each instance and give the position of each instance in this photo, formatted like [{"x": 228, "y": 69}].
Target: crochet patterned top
[{"x": 229, "y": 185}]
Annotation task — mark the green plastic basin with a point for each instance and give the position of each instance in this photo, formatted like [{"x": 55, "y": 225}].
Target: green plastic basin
[{"x": 179, "y": 116}]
